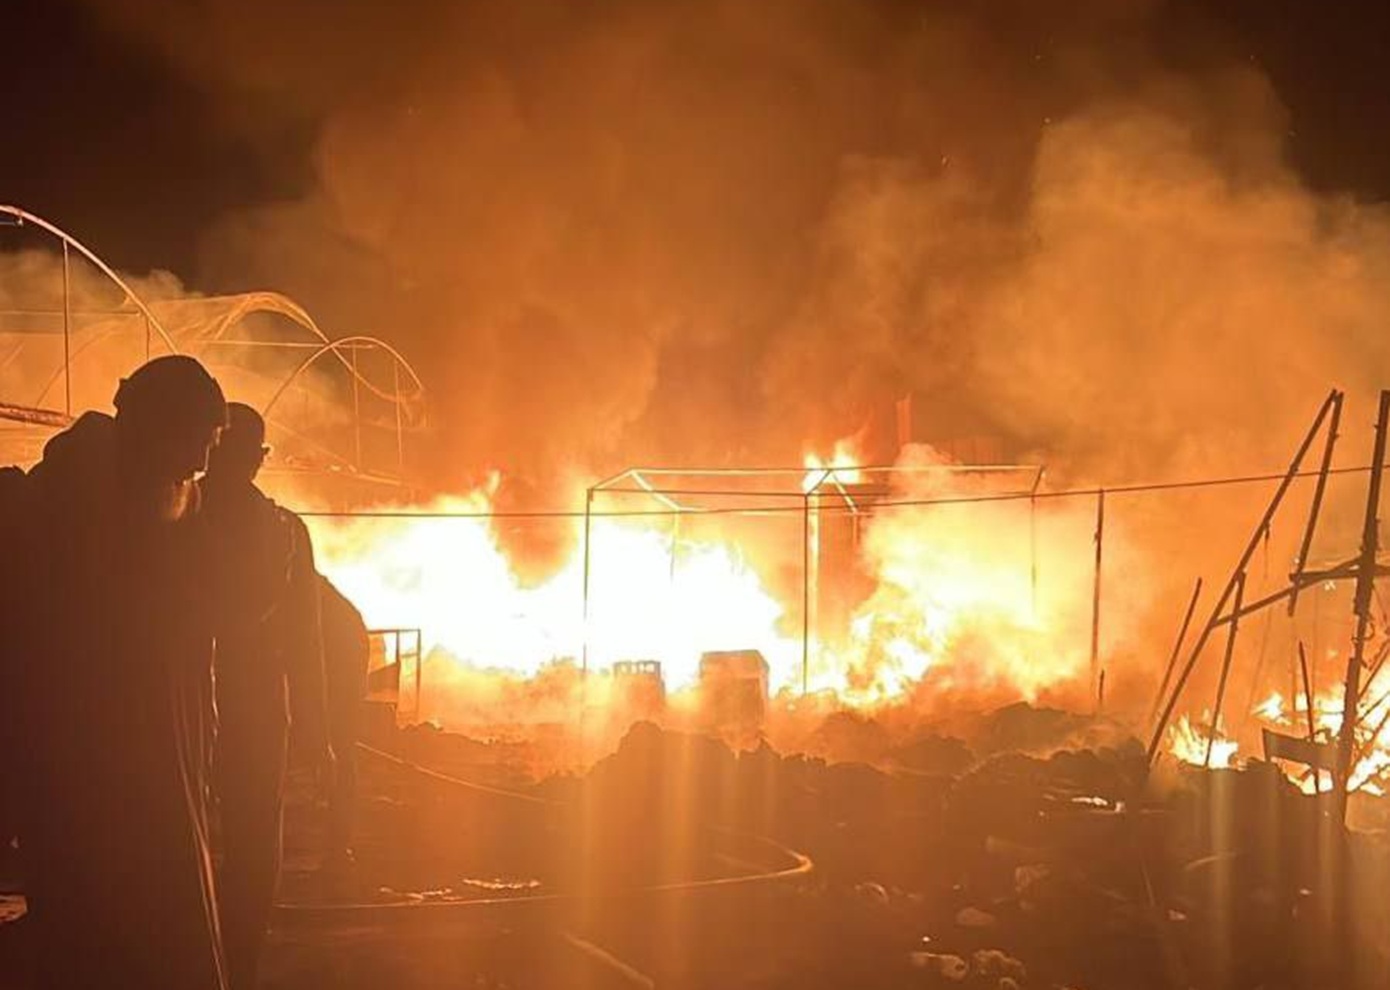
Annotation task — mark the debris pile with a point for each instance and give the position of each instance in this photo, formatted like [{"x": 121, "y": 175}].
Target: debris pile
[{"x": 1010, "y": 858}]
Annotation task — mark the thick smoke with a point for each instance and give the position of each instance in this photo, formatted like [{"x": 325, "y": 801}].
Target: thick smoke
[
  {"x": 603, "y": 226},
  {"x": 615, "y": 232}
]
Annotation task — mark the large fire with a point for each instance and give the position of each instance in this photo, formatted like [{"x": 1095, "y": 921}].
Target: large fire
[
  {"x": 949, "y": 598},
  {"x": 1188, "y": 740}
]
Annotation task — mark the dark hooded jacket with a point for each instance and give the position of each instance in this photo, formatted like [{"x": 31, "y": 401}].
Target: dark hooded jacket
[{"x": 115, "y": 691}]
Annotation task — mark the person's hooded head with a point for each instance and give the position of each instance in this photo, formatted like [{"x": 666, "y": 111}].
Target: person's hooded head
[
  {"x": 168, "y": 416},
  {"x": 241, "y": 450}
]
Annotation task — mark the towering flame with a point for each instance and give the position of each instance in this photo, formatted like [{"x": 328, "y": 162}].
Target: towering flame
[
  {"x": 948, "y": 605},
  {"x": 450, "y": 576}
]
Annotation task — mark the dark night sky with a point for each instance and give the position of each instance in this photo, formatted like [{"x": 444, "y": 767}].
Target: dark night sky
[{"x": 79, "y": 100}]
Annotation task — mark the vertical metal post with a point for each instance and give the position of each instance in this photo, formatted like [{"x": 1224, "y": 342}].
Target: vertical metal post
[
  {"x": 1033, "y": 555},
  {"x": 1095, "y": 597},
  {"x": 588, "y": 532},
  {"x": 1365, "y": 587},
  {"x": 67, "y": 330},
  {"x": 356, "y": 410},
  {"x": 400, "y": 430},
  {"x": 805, "y": 593},
  {"x": 1033, "y": 541},
  {"x": 147, "y": 336}
]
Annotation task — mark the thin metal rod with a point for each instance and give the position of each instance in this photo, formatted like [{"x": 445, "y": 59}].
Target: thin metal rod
[
  {"x": 1033, "y": 543},
  {"x": 601, "y": 486},
  {"x": 357, "y": 412},
  {"x": 1225, "y": 596},
  {"x": 1177, "y": 649},
  {"x": 147, "y": 337},
  {"x": 1312, "y": 716},
  {"x": 1095, "y": 597},
  {"x": 334, "y": 347},
  {"x": 1307, "y": 690},
  {"x": 400, "y": 428},
  {"x": 67, "y": 331},
  {"x": 419, "y": 674},
  {"x": 1272, "y": 598},
  {"x": 24, "y": 216},
  {"x": 1365, "y": 585},
  {"x": 805, "y": 594},
  {"x": 1225, "y": 673},
  {"x": 588, "y": 533},
  {"x": 801, "y": 470},
  {"x": 1315, "y": 509}
]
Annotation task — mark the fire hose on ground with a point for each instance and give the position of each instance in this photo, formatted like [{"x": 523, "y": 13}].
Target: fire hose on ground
[{"x": 315, "y": 915}]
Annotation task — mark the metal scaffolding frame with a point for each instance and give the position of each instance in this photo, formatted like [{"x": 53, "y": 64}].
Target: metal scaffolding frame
[
  {"x": 1231, "y": 607},
  {"x": 806, "y": 491}
]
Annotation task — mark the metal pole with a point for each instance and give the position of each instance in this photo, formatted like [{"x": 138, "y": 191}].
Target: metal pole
[
  {"x": 1365, "y": 586},
  {"x": 1308, "y": 697},
  {"x": 1177, "y": 649},
  {"x": 400, "y": 431},
  {"x": 588, "y": 531},
  {"x": 1033, "y": 547},
  {"x": 1225, "y": 596},
  {"x": 1095, "y": 599},
  {"x": 356, "y": 411},
  {"x": 1225, "y": 670},
  {"x": 1314, "y": 509},
  {"x": 67, "y": 331},
  {"x": 805, "y": 594},
  {"x": 147, "y": 336}
]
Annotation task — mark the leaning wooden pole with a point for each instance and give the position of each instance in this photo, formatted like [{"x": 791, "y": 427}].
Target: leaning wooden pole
[{"x": 1239, "y": 569}]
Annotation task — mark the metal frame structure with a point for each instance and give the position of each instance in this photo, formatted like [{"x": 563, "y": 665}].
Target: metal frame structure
[
  {"x": 1231, "y": 607},
  {"x": 808, "y": 491},
  {"x": 201, "y": 327}
]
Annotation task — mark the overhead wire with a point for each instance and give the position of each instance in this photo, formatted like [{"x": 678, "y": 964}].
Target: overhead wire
[{"x": 798, "y": 508}]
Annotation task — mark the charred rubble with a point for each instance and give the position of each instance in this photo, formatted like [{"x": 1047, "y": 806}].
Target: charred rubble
[{"x": 1011, "y": 859}]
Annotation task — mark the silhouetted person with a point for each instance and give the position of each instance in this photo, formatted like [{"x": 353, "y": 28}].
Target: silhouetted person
[
  {"x": 114, "y": 692},
  {"x": 269, "y": 673},
  {"x": 346, "y": 657}
]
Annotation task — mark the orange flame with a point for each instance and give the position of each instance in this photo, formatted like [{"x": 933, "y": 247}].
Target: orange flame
[{"x": 948, "y": 597}]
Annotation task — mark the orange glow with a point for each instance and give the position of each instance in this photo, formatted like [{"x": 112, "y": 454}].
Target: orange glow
[
  {"x": 1189, "y": 742},
  {"x": 1372, "y": 753},
  {"x": 947, "y": 596},
  {"x": 841, "y": 468}
]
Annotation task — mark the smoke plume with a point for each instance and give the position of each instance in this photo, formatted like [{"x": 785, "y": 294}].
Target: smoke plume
[{"x": 617, "y": 231}]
